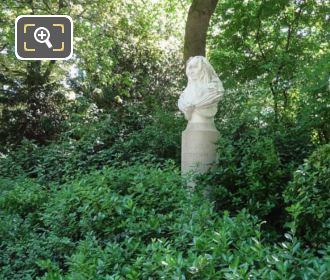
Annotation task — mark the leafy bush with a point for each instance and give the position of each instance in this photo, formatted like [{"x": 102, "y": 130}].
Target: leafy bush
[
  {"x": 138, "y": 222},
  {"x": 203, "y": 246},
  {"x": 113, "y": 203},
  {"x": 34, "y": 112},
  {"x": 23, "y": 240},
  {"x": 248, "y": 174},
  {"x": 98, "y": 143},
  {"x": 308, "y": 197},
  {"x": 21, "y": 196},
  {"x": 161, "y": 138}
]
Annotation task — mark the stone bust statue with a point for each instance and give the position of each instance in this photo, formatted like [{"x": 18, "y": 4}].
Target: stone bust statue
[{"x": 200, "y": 98}]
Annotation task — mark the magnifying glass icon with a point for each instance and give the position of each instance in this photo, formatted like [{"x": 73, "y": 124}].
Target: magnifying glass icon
[{"x": 41, "y": 35}]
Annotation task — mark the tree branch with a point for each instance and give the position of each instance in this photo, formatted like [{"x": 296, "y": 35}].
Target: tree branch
[
  {"x": 263, "y": 55},
  {"x": 3, "y": 47}
]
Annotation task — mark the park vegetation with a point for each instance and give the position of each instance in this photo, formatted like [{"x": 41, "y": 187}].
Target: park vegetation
[{"x": 90, "y": 184}]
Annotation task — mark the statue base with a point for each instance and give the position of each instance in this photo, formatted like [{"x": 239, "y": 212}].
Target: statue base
[{"x": 198, "y": 148}]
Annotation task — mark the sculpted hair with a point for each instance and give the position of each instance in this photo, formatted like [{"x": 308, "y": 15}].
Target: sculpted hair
[{"x": 208, "y": 73}]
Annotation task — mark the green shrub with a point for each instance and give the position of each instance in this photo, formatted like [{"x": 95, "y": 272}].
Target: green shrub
[
  {"x": 22, "y": 238},
  {"x": 85, "y": 147},
  {"x": 80, "y": 150},
  {"x": 136, "y": 202},
  {"x": 160, "y": 138},
  {"x": 214, "y": 248},
  {"x": 115, "y": 202},
  {"x": 248, "y": 174},
  {"x": 21, "y": 196},
  {"x": 33, "y": 110},
  {"x": 309, "y": 199},
  {"x": 138, "y": 222}
]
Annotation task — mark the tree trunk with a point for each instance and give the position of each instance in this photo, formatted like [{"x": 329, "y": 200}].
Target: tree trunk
[{"x": 199, "y": 16}]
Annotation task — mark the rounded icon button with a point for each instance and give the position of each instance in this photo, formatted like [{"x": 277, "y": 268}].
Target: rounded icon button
[{"x": 41, "y": 35}]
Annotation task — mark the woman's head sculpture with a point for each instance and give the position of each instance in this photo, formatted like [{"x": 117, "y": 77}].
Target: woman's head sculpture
[
  {"x": 200, "y": 98},
  {"x": 198, "y": 68}
]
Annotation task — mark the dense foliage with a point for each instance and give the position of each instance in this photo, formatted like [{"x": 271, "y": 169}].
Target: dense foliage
[
  {"x": 308, "y": 197},
  {"x": 133, "y": 65},
  {"x": 133, "y": 223},
  {"x": 90, "y": 186},
  {"x": 274, "y": 61}
]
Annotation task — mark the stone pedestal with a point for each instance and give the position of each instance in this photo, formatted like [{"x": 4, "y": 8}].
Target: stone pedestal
[{"x": 198, "y": 148}]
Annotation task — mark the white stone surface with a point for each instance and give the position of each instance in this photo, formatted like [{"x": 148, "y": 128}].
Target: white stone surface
[
  {"x": 198, "y": 151},
  {"x": 199, "y": 102}
]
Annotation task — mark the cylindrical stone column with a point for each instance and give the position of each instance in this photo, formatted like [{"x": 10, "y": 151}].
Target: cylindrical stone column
[{"x": 198, "y": 149}]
